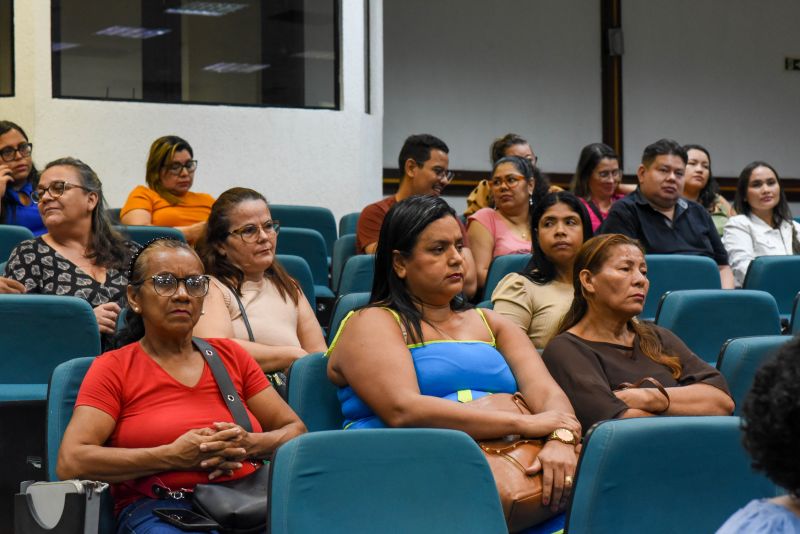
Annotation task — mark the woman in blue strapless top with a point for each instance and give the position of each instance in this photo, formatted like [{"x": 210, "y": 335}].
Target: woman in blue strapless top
[{"x": 416, "y": 355}]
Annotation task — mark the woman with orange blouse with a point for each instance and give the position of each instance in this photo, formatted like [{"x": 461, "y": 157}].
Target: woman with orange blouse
[{"x": 167, "y": 199}]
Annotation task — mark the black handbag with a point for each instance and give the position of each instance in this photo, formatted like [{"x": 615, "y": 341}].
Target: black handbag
[
  {"x": 276, "y": 378},
  {"x": 239, "y": 506}
]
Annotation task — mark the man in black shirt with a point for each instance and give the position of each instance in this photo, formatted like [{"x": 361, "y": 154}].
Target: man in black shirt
[{"x": 660, "y": 218}]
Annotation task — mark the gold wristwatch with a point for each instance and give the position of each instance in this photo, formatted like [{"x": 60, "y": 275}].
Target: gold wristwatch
[{"x": 564, "y": 435}]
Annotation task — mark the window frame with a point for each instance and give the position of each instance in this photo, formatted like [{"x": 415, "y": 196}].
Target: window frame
[{"x": 55, "y": 36}]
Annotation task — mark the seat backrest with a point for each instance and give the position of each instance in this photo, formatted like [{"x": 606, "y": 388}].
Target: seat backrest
[
  {"x": 739, "y": 360},
  {"x": 777, "y": 275},
  {"x": 309, "y": 245},
  {"x": 144, "y": 234},
  {"x": 113, "y": 215},
  {"x": 41, "y": 331},
  {"x": 671, "y": 272},
  {"x": 344, "y": 305},
  {"x": 298, "y": 269},
  {"x": 662, "y": 475},
  {"x": 794, "y": 321},
  {"x": 343, "y": 250},
  {"x": 348, "y": 224},
  {"x": 312, "y": 396},
  {"x": 383, "y": 480},
  {"x": 61, "y": 394},
  {"x": 706, "y": 318},
  {"x": 311, "y": 217},
  {"x": 10, "y": 236},
  {"x": 358, "y": 274},
  {"x": 501, "y": 266}
]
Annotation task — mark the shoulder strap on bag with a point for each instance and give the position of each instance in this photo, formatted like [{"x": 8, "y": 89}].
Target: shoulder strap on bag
[
  {"x": 224, "y": 383},
  {"x": 595, "y": 209},
  {"x": 244, "y": 316}
]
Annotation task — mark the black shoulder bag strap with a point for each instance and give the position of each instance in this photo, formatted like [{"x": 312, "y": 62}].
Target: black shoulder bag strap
[
  {"x": 224, "y": 383},
  {"x": 595, "y": 209},
  {"x": 276, "y": 378},
  {"x": 244, "y": 316}
]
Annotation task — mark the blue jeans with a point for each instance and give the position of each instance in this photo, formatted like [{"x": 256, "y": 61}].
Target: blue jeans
[{"x": 138, "y": 517}]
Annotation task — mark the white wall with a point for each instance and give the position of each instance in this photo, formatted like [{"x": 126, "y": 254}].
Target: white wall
[
  {"x": 470, "y": 71},
  {"x": 712, "y": 72},
  {"x": 316, "y": 157}
]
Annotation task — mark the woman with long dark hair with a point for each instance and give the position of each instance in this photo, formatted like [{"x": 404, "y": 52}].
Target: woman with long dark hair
[
  {"x": 700, "y": 186},
  {"x": 18, "y": 177},
  {"x": 597, "y": 181},
  {"x": 764, "y": 226},
  {"x": 418, "y": 353},
  {"x": 251, "y": 293},
  {"x": 538, "y": 297},
  {"x": 602, "y": 348},
  {"x": 81, "y": 254}
]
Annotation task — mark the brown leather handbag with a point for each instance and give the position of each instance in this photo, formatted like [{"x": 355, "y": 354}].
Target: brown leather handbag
[{"x": 511, "y": 460}]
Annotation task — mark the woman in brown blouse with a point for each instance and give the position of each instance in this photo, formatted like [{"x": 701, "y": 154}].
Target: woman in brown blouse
[{"x": 603, "y": 346}]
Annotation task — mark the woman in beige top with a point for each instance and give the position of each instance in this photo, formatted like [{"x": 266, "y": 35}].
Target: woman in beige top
[
  {"x": 239, "y": 251},
  {"x": 537, "y": 298}
]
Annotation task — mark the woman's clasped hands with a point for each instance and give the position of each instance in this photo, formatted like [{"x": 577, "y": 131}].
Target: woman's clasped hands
[{"x": 220, "y": 449}]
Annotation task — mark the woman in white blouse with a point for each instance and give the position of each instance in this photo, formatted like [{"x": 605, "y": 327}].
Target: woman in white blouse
[{"x": 765, "y": 226}]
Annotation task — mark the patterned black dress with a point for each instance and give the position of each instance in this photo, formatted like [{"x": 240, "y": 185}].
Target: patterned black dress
[{"x": 42, "y": 270}]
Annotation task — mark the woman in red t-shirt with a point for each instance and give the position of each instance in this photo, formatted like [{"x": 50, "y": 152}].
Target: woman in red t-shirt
[{"x": 151, "y": 413}]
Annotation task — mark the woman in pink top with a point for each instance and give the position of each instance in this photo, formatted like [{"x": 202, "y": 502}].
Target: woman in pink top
[
  {"x": 597, "y": 181},
  {"x": 506, "y": 228}
]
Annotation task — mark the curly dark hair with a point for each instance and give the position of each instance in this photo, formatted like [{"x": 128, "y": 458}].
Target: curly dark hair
[{"x": 771, "y": 418}]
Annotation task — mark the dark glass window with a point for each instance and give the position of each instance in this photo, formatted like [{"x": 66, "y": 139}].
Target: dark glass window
[
  {"x": 282, "y": 53},
  {"x": 6, "y": 48}
]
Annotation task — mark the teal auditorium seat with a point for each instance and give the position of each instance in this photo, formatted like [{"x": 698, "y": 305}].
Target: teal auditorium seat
[
  {"x": 739, "y": 360},
  {"x": 61, "y": 395},
  {"x": 662, "y": 475},
  {"x": 10, "y": 236},
  {"x": 671, "y": 272},
  {"x": 310, "y": 217},
  {"x": 62, "y": 392},
  {"x": 312, "y": 396},
  {"x": 343, "y": 250},
  {"x": 299, "y": 270},
  {"x": 145, "y": 234},
  {"x": 309, "y": 245},
  {"x": 500, "y": 267},
  {"x": 358, "y": 274},
  {"x": 777, "y": 275},
  {"x": 383, "y": 480},
  {"x": 348, "y": 224},
  {"x": 344, "y": 304},
  {"x": 40, "y": 332},
  {"x": 706, "y": 318}
]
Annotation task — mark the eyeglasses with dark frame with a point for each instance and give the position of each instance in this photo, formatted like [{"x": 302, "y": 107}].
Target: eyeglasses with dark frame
[
  {"x": 177, "y": 167},
  {"x": 23, "y": 149},
  {"x": 166, "y": 284},
  {"x": 56, "y": 190},
  {"x": 510, "y": 181},
  {"x": 250, "y": 233}
]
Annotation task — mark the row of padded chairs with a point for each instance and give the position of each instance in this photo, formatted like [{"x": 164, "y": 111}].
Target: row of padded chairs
[
  {"x": 430, "y": 480},
  {"x": 777, "y": 275}
]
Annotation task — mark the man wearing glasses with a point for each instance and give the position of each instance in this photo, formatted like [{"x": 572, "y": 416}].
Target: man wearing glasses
[{"x": 424, "y": 162}]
